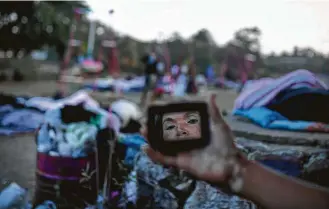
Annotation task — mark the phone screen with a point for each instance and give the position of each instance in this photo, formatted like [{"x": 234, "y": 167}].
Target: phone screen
[{"x": 181, "y": 126}]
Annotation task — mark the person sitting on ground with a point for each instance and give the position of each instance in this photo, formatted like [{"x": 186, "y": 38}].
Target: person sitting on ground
[{"x": 222, "y": 165}]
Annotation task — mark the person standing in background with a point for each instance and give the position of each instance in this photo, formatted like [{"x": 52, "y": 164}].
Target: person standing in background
[
  {"x": 191, "y": 86},
  {"x": 150, "y": 62},
  {"x": 160, "y": 73}
]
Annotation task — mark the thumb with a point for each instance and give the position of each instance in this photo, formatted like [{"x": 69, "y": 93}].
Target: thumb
[
  {"x": 147, "y": 102},
  {"x": 214, "y": 111}
]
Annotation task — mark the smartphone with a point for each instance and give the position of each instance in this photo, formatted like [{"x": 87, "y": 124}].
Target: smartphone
[{"x": 178, "y": 127}]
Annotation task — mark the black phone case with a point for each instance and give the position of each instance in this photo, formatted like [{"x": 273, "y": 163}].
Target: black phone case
[{"x": 172, "y": 148}]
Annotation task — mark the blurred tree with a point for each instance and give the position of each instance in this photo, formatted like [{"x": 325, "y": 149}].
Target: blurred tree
[
  {"x": 178, "y": 48},
  {"x": 248, "y": 39},
  {"x": 203, "y": 47},
  {"x": 29, "y": 25}
]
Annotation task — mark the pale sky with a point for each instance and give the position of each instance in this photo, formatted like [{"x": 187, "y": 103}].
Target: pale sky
[{"x": 284, "y": 23}]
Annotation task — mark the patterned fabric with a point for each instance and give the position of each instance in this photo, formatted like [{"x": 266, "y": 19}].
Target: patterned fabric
[
  {"x": 153, "y": 186},
  {"x": 206, "y": 196}
]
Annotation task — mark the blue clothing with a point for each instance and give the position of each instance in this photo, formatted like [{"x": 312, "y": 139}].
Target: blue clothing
[
  {"x": 133, "y": 142},
  {"x": 181, "y": 85},
  {"x": 267, "y": 118}
]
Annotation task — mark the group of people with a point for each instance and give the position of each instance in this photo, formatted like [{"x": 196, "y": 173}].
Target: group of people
[
  {"x": 237, "y": 66},
  {"x": 156, "y": 74}
]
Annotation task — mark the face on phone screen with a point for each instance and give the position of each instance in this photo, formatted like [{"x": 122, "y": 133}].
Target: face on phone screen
[{"x": 181, "y": 125}]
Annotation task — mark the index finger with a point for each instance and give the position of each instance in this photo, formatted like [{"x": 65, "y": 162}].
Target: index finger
[
  {"x": 148, "y": 101},
  {"x": 214, "y": 110}
]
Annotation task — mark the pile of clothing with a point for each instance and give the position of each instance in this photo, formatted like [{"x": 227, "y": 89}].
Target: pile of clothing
[
  {"x": 26, "y": 114},
  {"x": 72, "y": 155},
  {"x": 16, "y": 117},
  {"x": 296, "y": 101},
  {"x": 77, "y": 147},
  {"x": 70, "y": 131}
]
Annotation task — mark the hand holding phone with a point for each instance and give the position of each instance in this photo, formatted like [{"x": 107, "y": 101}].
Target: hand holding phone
[
  {"x": 212, "y": 157},
  {"x": 178, "y": 127}
]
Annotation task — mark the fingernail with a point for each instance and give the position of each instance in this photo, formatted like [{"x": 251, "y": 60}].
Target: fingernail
[{"x": 213, "y": 97}]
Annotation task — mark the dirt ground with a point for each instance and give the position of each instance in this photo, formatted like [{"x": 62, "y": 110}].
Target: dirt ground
[{"x": 17, "y": 153}]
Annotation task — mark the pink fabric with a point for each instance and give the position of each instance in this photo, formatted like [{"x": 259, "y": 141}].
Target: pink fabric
[
  {"x": 91, "y": 63},
  {"x": 63, "y": 168}
]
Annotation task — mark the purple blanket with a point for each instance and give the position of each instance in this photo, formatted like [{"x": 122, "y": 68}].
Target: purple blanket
[{"x": 261, "y": 92}]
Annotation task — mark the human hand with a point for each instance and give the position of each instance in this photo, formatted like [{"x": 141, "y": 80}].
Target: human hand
[{"x": 219, "y": 162}]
